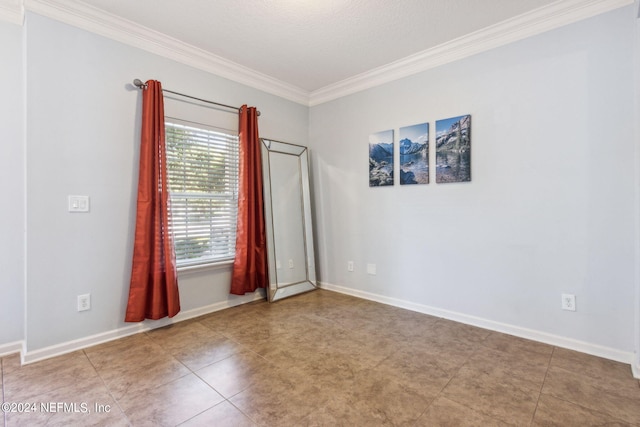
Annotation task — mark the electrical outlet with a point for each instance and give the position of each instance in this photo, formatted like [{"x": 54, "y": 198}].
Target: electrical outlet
[
  {"x": 350, "y": 266},
  {"x": 569, "y": 302},
  {"x": 290, "y": 263},
  {"x": 84, "y": 302}
]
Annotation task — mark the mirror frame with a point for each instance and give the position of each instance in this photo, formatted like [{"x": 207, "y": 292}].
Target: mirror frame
[{"x": 275, "y": 290}]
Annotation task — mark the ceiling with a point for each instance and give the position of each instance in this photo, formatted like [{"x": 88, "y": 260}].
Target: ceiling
[
  {"x": 311, "y": 51},
  {"x": 314, "y": 43}
]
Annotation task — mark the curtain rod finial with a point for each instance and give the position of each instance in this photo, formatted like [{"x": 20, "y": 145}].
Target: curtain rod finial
[{"x": 138, "y": 83}]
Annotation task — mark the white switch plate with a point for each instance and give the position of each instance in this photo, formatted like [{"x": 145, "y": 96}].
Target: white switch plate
[
  {"x": 78, "y": 203},
  {"x": 371, "y": 269},
  {"x": 349, "y": 265}
]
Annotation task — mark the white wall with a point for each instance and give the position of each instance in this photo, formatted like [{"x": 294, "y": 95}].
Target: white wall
[
  {"x": 11, "y": 185},
  {"x": 550, "y": 208},
  {"x": 83, "y": 138},
  {"x": 636, "y": 366}
]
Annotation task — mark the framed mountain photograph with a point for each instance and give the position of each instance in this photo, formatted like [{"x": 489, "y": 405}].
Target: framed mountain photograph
[
  {"x": 381, "y": 158},
  {"x": 414, "y": 154},
  {"x": 453, "y": 149}
]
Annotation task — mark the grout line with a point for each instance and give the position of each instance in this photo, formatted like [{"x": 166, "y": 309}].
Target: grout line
[
  {"x": 546, "y": 372},
  {"x": 107, "y": 388}
]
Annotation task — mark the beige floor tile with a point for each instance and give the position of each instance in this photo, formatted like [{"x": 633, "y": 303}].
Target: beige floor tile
[
  {"x": 222, "y": 415},
  {"x": 444, "y": 341},
  {"x": 556, "y": 412},
  {"x": 461, "y": 331},
  {"x": 381, "y": 395},
  {"x": 278, "y": 401},
  {"x": 364, "y": 351},
  {"x": 511, "y": 344},
  {"x": 50, "y": 374},
  {"x": 234, "y": 374},
  {"x": 372, "y": 400},
  {"x": 86, "y": 402},
  {"x": 170, "y": 404},
  {"x": 194, "y": 344},
  {"x": 595, "y": 394},
  {"x": 134, "y": 363},
  {"x": 446, "y": 413},
  {"x": 331, "y": 375},
  {"x": 409, "y": 326},
  {"x": 324, "y": 359},
  {"x": 11, "y": 362},
  {"x": 339, "y": 413},
  {"x": 506, "y": 401},
  {"x": 611, "y": 375},
  {"x": 245, "y": 322},
  {"x": 521, "y": 369},
  {"x": 419, "y": 369}
]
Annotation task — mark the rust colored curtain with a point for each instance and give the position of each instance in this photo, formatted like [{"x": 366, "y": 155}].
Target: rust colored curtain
[
  {"x": 250, "y": 265},
  {"x": 153, "y": 291}
]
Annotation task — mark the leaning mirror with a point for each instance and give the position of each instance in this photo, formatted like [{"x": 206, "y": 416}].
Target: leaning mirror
[{"x": 287, "y": 205}]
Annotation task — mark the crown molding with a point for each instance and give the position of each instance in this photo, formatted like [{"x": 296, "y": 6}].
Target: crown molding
[
  {"x": 97, "y": 21},
  {"x": 537, "y": 21},
  {"x": 12, "y": 11},
  {"x": 81, "y": 15}
]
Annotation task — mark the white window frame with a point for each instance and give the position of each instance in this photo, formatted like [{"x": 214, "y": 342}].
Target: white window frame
[{"x": 212, "y": 165}]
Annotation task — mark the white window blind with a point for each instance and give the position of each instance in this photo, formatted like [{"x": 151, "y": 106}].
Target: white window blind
[{"x": 202, "y": 172}]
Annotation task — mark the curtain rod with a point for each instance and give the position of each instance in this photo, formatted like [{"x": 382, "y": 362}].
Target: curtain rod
[{"x": 140, "y": 85}]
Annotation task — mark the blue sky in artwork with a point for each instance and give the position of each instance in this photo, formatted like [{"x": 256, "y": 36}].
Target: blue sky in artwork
[
  {"x": 417, "y": 133},
  {"x": 444, "y": 125},
  {"x": 385, "y": 137}
]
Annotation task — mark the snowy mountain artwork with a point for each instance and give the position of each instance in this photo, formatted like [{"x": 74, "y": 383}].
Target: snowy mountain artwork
[
  {"x": 414, "y": 154},
  {"x": 381, "y": 158},
  {"x": 453, "y": 149}
]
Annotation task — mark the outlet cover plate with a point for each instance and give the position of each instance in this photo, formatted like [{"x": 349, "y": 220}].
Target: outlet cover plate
[
  {"x": 569, "y": 302},
  {"x": 84, "y": 302}
]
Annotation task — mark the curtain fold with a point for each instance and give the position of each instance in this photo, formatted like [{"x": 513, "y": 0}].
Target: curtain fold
[
  {"x": 250, "y": 265},
  {"x": 153, "y": 290}
]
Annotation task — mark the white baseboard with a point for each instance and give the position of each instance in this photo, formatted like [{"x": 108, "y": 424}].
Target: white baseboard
[
  {"x": 144, "y": 326},
  {"x": 531, "y": 334},
  {"x": 79, "y": 344},
  {"x": 11, "y": 348}
]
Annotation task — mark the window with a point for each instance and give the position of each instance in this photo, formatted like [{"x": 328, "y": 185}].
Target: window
[{"x": 202, "y": 172}]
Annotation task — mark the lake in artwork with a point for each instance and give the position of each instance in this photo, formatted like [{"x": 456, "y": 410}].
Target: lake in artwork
[
  {"x": 381, "y": 158},
  {"x": 453, "y": 149},
  {"x": 414, "y": 154}
]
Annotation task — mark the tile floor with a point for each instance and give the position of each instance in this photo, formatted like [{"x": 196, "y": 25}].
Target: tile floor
[{"x": 321, "y": 359}]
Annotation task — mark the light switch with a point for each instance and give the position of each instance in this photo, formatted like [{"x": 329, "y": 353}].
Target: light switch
[
  {"x": 78, "y": 203},
  {"x": 371, "y": 269}
]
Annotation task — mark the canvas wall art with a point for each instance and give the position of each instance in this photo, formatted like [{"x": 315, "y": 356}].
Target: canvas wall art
[
  {"x": 381, "y": 158},
  {"x": 414, "y": 154},
  {"x": 453, "y": 149}
]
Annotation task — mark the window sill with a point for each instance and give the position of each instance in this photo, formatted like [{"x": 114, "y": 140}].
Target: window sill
[{"x": 198, "y": 268}]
